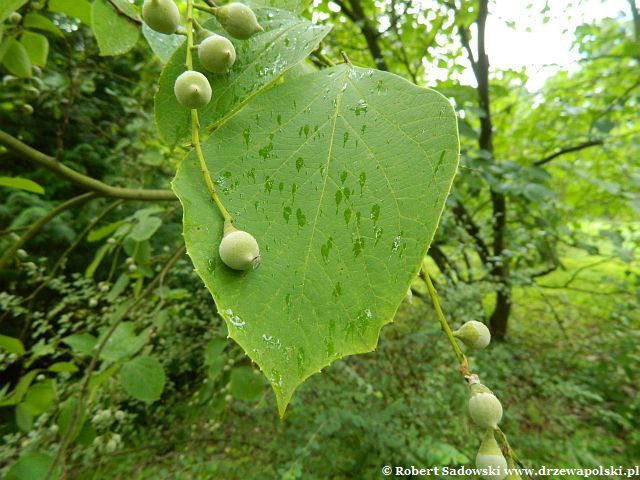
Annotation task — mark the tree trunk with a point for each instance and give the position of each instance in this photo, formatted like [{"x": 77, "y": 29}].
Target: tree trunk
[{"x": 499, "y": 268}]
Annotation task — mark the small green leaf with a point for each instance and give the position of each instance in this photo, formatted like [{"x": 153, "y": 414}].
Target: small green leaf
[
  {"x": 145, "y": 228},
  {"x": 143, "y": 378},
  {"x": 32, "y": 466},
  {"x": 104, "y": 231},
  {"x": 17, "y": 394},
  {"x": 8, "y": 6},
  {"x": 24, "y": 420},
  {"x": 124, "y": 342},
  {"x": 63, "y": 367},
  {"x": 116, "y": 34},
  {"x": 98, "y": 379},
  {"x": 21, "y": 183},
  {"x": 40, "y": 22},
  {"x": 97, "y": 260},
  {"x": 40, "y": 397},
  {"x": 37, "y": 47},
  {"x": 81, "y": 342},
  {"x": 11, "y": 345},
  {"x": 15, "y": 58},
  {"x": 118, "y": 287},
  {"x": 246, "y": 384},
  {"x": 80, "y": 9}
]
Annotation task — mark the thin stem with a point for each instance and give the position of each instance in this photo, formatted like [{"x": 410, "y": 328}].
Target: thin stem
[
  {"x": 464, "y": 367},
  {"x": 323, "y": 58},
  {"x": 211, "y": 10},
  {"x": 75, "y": 415},
  {"x": 346, "y": 58},
  {"x": 443, "y": 321},
  {"x": 88, "y": 183},
  {"x": 195, "y": 122},
  {"x": 203, "y": 166}
]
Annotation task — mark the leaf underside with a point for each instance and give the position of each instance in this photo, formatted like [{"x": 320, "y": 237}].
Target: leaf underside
[{"x": 341, "y": 176}]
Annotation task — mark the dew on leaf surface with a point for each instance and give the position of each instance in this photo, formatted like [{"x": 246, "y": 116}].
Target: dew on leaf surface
[
  {"x": 396, "y": 244},
  {"x": 235, "y": 320}
]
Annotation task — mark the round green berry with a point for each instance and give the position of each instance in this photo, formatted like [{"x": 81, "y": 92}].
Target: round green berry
[
  {"x": 490, "y": 460},
  {"x": 484, "y": 407},
  {"x": 161, "y": 15},
  {"x": 238, "y": 20},
  {"x": 239, "y": 250},
  {"x": 216, "y": 53},
  {"x": 473, "y": 334},
  {"x": 14, "y": 18},
  {"x": 192, "y": 89}
]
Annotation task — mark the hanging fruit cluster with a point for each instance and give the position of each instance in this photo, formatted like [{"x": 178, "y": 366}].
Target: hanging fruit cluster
[
  {"x": 238, "y": 249},
  {"x": 484, "y": 407}
]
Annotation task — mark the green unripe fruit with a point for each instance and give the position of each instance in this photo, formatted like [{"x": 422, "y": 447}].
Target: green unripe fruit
[
  {"x": 216, "y": 54},
  {"x": 239, "y": 250},
  {"x": 192, "y": 89},
  {"x": 238, "y": 20},
  {"x": 161, "y": 15},
  {"x": 490, "y": 460},
  {"x": 14, "y": 18},
  {"x": 484, "y": 407},
  {"x": 473, "y": 334}
]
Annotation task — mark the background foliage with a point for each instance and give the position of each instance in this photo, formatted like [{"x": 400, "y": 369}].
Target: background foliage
[{"x": 539, "y": 238}]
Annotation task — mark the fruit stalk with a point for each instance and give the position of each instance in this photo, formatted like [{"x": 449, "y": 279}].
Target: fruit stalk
[
  {"x": 443, "y": 321},
  {"x": 195, "y": 122}
]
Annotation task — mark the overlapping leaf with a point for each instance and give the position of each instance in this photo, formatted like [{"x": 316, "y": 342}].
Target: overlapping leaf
[
  {"x": 115, "y": 32},
  {"x": 287, "y": 40},
  {"x": 341, "y": 175}
]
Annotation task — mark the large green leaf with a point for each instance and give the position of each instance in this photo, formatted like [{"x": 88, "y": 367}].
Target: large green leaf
[
  {"x": 288, "y": 38},
  {"x": 116, "y": 33},
  {"x": 342, "y": 176}
]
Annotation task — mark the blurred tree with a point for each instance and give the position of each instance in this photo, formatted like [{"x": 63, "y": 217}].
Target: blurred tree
[{"x": 515, "y": 196}]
